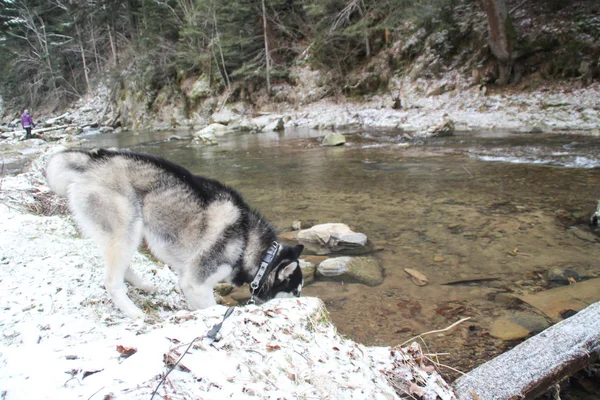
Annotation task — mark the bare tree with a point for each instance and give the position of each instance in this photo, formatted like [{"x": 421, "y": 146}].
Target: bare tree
[{"x": 267, "y": 52}]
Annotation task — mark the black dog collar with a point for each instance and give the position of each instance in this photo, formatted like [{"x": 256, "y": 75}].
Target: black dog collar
[{"x": 266, "y": 266}]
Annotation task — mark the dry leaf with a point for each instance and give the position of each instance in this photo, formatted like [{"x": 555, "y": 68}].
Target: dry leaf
[
  {"x": 85, "y": 374},
  {"x": 273, "y": 347},
  {"x": 126, "y": 351}
]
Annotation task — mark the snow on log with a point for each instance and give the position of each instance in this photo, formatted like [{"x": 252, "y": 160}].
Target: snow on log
[{"x": 535, "y": 365}]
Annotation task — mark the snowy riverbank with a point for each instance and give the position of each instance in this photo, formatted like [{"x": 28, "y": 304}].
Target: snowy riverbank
[
  {"x": 559, "y": 107},
  {"x": 61, "y": 337}
]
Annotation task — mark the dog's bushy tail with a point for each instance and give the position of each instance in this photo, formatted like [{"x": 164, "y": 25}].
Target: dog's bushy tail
[{"x": 63, "y": 169}]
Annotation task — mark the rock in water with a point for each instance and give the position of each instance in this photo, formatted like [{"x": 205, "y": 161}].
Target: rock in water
[
  {"x": 275, "y": 126},
  {"x": 334, "y": 139},
  {"x": 445, "y": 129},
  {"x": 365, "y": 270},
  {"x": 518, "y": 326},
  {"x": 214, "y": 129},
  {"x": 330, "y": 238}
]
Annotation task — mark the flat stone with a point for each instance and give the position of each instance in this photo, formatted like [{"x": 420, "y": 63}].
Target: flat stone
[
  {"x": 365, "y": 270},
  {"x": 532, "y": 322},
  {"x": 332, "y": 235},
  {"x": 506, "y": 330},
  {"x": 573, "y": 297}
]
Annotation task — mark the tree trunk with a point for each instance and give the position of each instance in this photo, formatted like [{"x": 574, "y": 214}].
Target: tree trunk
[
  {"x": 267, "y": 52},
  {"x": 94, "y": 48},
  {"x": 113, "y": 46},
  {"x": 501, "y": 33},
  {"x": 221, "y": 51},
  {"x": 83, "y": 60}
]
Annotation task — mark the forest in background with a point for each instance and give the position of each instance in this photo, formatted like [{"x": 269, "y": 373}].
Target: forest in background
[{"x": 53, "y": 52}]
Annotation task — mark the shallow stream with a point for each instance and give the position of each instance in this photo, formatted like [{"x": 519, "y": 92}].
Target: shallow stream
[{"x": 492, "y": 205}]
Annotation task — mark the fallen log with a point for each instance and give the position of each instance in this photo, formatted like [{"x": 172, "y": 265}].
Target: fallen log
[
  {"x": 534, "y": 366},
  {"x": 36, "y": 130}
]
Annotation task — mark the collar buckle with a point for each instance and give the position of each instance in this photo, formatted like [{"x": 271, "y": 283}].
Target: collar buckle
[{"x": 266, "y": 265}]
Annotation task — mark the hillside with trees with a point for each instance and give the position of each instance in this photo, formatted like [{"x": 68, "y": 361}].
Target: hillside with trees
[{"x": 182, "y": 54}]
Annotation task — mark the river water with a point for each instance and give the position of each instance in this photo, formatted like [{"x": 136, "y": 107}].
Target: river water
[{"x": 495, "y": 205}]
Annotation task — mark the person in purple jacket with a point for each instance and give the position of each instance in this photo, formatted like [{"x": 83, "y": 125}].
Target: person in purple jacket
[{"x": 27, "y": 123}]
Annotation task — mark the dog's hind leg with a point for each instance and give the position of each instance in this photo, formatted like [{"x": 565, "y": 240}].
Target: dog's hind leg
[
  {"x": 118, "y": 252},
  {"x": 113, "y": 220}
]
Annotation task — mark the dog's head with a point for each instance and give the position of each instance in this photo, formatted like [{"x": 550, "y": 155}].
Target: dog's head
[{"x": 286, "y": 279}]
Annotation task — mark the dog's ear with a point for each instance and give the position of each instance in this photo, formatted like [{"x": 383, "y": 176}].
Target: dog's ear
[
  {"x": 287, "y": 271},
  {"x": 297, "y": 249}
]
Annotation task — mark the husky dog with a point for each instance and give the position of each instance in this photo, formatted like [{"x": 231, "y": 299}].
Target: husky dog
[{"x": 199, "y": 226}]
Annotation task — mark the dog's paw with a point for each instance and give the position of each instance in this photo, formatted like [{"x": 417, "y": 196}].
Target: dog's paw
[
  {"x": 133, "y": 312},
  {"x": 137, "y": 315},
  {"x": 148, "y": 287}
]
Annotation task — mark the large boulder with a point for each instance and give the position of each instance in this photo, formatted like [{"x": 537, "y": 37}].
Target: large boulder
[
  {"x": 333, "y": 238},
  {"x": 208, "y": 135},
  {"x": 365, "y": 270},
  {"x": 226, "y": 116}
]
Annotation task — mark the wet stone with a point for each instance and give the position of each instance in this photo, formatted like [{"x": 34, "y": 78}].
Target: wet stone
[
  {"x": 584, "y": 235},
  {"x": 561, "y": 276},
  {"x": 334, "y": 139},
  {"x": 331, "y": 238},
  {"x": 365, "y": 270},
  {"x": 309, "y": 270},
  {"x": 223, "y": 289},
  {"x": 518, "y": 326}
]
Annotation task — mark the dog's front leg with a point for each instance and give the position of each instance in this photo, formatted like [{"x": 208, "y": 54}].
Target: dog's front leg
[
  {"x": 199, "y": 292},
  {"x": 198, "y": 295}
]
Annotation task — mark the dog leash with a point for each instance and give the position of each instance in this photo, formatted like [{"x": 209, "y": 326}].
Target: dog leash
[
  {"x": 211, "y": 334},
  {"x": 257, "y": 282}
]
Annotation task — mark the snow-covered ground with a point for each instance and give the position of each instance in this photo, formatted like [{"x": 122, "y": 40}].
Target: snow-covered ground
[
  {"x": 61, "y": 337},
  {"x": 547, "y": 109}
]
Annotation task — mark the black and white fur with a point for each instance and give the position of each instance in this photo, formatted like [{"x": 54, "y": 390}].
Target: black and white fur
[{"x": 202, "y": 228}]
